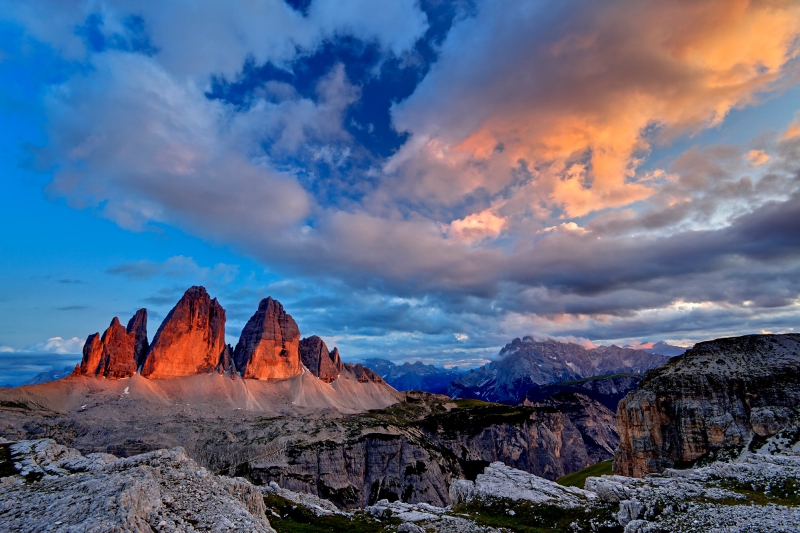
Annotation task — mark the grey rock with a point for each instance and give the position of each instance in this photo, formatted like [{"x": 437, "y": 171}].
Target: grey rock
[{"x": 162, "y": 491}]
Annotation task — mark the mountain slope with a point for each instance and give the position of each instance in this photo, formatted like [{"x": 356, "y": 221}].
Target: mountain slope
[{"x": 525, "y": 363}]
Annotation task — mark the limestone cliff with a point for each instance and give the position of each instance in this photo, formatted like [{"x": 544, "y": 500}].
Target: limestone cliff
[
  {"x": 190, "y": 340},
  {"x": 713, "y": 399},
  {"x": 269, "y": 345},
  {"x": 324, "y": 364},
  {"x": 117, "y": 353}
]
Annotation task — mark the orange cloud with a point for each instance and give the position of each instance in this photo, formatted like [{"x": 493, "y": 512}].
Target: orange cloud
[
  {"x": 584, "y": 110},
  {"x": 477, "y": 226},
  {"x": 757, "y": 157},
  {"x": 793, "y": 130}
]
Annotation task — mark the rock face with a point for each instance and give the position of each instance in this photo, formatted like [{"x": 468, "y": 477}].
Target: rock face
[
  {"x": 191, "y": 339},
  {"x": 269, "y": 345},
  {"x": 526, "y": 363},
  {"x": 713, "y": 399},
  {"x": 162, "y": 491},
  {"x": 138, "y": 326},
  {"x": 413, "y": 453},
  {"x": 117, "y": 353},
  {"x": 608, "y": 390},
  {"x": 315, "y": 356},
  {"x": 594, "y": 421}
]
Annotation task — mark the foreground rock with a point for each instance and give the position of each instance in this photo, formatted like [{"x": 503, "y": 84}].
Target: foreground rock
[
  {"x": 191, "y": 340},
  {"x": 719, "y": 497},
  {"x": 715, "y": 399},
  {"x": 162, "y": 491},
  {"x": 501, "y": 481},
  {"x": 119, "y": 352}
]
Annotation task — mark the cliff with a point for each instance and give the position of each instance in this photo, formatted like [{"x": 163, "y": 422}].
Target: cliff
[
  {"x": 269, "y": 345},
  {"x": 326, "y": 365},
  {"x": 712, "y": 400},
  {"x": 118, "y": 352},
  {"x": 191, "y": 340}
]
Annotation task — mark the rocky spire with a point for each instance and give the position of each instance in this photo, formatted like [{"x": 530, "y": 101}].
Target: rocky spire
[
  {"x": 115, "y": 354},
  {"x": 268, "y": 346},
  {"x": 137, "y": 326},
  {"x": 318, "y": 360},
  {"x": 190, "y": 340}
]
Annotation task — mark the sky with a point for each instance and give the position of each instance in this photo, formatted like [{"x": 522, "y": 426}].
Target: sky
[{"x": 413, "y": 180}]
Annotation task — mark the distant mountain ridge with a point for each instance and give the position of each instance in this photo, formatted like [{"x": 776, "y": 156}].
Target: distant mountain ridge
[
  {"x": 414, "y": 376},
  {"x": 526, "y": 363}
]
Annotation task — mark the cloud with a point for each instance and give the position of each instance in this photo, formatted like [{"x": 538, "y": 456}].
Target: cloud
[
  {"x": 175, "y": 267},
  {"x": 477, "y": 226},
  {"x": 205, "y": 37},
  {"x": 757, "y": 157},
  {"x": 793, "y": 130},
  {"x": 72, "y": 308},
  {"x": 582, "y": 94},
  {"x": 56, "y": 345},
  {"x": 523, "y": 199}
]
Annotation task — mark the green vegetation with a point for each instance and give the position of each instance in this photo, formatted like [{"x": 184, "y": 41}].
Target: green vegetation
[
  {"x": 293, "y": 518},
  {"x": 525, "y": 517},
  {"x": 476, "y": 418},
  {"x": 600, "y": 377},
  {"x": 577, "y": 479},
  {"x": 783, "y": 491}
]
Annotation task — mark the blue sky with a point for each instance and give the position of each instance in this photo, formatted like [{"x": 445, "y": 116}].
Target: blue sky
[{"x": 412, "y": 180}]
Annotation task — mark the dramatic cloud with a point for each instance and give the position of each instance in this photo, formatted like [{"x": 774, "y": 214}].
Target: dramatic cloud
[{"x": 519, "y": 193}]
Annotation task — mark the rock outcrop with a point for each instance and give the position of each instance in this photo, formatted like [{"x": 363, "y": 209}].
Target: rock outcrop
[
  {"x": 314, "y": 354},
  {"x": 500, "y": 481},
  {"x": 191, "y": 340},
  {"x": 608, "y": 390},
  {"x": 712, "y": 400},
  {"x": 117, "y": 354},
  {"x": 269, "y": 345},
  {"x": 413, "y": 452},
  {"x": 57, "y": 489},
  {"x": 361, "y": 373},
  {"x": 526, "y": 363},
  {"x": 712, "y": 498}
]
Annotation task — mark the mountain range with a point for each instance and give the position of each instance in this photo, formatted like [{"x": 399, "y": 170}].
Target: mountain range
[
  {"x": 415, "y": 376},
  {"x": 526, "y": 363}
]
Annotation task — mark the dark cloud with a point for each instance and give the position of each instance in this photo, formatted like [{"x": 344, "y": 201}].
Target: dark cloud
[{"x": 72, "y": 308}]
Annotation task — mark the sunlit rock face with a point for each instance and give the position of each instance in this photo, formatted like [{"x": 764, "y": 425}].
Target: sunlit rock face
[
  {"x": 117, "y": 353},
  {"x": 191, "y": 340},
  {"x": 324, "y": 364},
  {"x": 269, "y": 345},
  {"x": 713, "y": 399}
]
